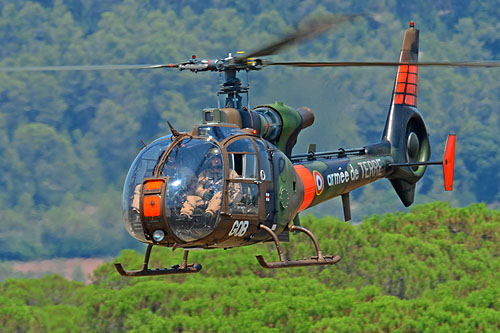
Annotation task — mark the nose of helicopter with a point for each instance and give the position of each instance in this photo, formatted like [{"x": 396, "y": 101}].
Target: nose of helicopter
[{"x": 175, "y": 198}]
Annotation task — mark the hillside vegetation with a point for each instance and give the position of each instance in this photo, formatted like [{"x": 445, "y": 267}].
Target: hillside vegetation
[{"x": 436, "y": 269}]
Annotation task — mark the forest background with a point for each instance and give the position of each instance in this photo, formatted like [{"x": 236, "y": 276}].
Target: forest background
[{"x": 67, "y": 140}]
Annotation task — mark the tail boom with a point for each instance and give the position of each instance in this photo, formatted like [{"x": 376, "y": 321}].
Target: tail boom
[{"x": 326, "y": 178}]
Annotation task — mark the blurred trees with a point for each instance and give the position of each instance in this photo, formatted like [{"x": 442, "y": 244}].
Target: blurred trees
[{"x": 68, "y": 138}]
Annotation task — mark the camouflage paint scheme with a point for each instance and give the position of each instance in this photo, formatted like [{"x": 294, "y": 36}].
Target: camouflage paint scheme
[{"x": 298, "y": 184}]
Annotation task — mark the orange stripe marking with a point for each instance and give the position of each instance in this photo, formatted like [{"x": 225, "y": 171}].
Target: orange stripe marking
[
  {"x": 411, "y": 89},
  {"x": 151, "y": 206},
  {"x": 410, "y": 100},
  {"x": 309, "y": 185},
  {"x": 153, "y": 185},
  {"x": 399, "y": 99},
  {"x": 412, "y": 78}
]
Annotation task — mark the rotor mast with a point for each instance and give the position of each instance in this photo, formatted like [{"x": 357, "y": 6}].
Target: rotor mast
[{"x": 232, "y": 88}]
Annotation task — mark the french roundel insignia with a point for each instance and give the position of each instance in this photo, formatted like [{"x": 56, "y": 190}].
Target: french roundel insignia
[{"x": 318, "y": 181}]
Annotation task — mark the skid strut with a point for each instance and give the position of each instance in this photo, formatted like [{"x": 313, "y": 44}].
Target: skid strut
[
  {"x": 183, "y": 268},
  {"x": 319, "y": 259}
]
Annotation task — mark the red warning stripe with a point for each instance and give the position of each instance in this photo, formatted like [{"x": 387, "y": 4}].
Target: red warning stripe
[
  {"x": 412, "y": 78},
  {"x": 411, "y": 89},
  {"x": 410, "y": 100},
  {"x": 399, "y": 99},
  {"x": 406, "y": 85},
  {"x": 309, "y": 185},
  {"x": 402, "y": 77}
]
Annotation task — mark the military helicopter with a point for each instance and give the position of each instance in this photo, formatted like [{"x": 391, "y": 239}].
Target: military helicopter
[
  {"x": 233, "y": 181},
  {"x": 174, "y": 197}
]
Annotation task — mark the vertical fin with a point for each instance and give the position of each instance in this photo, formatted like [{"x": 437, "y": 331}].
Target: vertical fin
[
  {"x": 404, "y": 121},
  {"x": 405, "y": 191},
  {"x": 346, "y": 204},
  {"x": 405, "y": 85}
]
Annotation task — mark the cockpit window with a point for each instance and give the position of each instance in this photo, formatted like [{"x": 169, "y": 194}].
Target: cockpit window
[
  {"x": 243, "y": 159},
  {"x": 247, "y": 200},
  {"x": 196, "y": 182},
  {"x": 241, "y": 146},
  {"x": 244, "y": 165},
  {"x": 142, "y": 167},
  {"x": 217, "y": 132}
]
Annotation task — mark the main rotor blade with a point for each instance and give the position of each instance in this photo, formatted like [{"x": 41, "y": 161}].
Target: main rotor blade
[
  {"x": 264, "y": 63},
  {"x": 84, "y": 68},
  {"x": 381, "y": 63},
  {"x": 316, "y": 27}
]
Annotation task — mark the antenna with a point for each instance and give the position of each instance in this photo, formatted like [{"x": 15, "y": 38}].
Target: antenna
[
  {"x": 248, "y": 91},
  {"x": 172, "y": 129}
]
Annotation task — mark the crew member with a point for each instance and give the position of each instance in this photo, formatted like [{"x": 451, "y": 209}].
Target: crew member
[{"x": 207, "y": 191}]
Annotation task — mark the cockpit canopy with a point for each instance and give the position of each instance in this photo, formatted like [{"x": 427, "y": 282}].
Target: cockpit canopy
[
  {"x": 195, "y": 171},
  {"x": 142, "y": 167},
  {"x": 201, "y": 175}
]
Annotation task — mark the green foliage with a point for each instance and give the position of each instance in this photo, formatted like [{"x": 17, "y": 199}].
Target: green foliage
[
  {"x": 78, "y": 132},
  {"x": 399, "y": 272},
  {"x": 50, "y": 160}
]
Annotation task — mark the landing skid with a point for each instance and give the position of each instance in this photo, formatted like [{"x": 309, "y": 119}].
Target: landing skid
[
  {"x": 183, "y": 268},
  {"x": 319, "y": 259}
]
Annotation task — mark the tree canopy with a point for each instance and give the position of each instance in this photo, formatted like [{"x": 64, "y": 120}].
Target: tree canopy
[{"x": 436, "y": 268}]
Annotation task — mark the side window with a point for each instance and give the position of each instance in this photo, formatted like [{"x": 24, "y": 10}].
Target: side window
[
  {"x": 242, "y": 160},
  {"x": 243, "y": 166},
  {"x": 243, "y": 198},
  {"x": 252, "y": 199},
  {"x": 265, "y": 166}
]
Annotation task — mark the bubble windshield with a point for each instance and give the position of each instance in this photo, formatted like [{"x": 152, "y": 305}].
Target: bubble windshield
[
  {"x": 195, "y": 188},
  {"x": 142, "y": 167}
]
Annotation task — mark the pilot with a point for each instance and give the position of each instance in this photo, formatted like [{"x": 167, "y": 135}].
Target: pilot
[{"x": 207, "y": 191}]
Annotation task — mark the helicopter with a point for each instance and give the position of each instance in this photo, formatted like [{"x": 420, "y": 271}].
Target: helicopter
[
  {"x": 233, "y": 180},
  {"x": 170, "y": 200}
]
